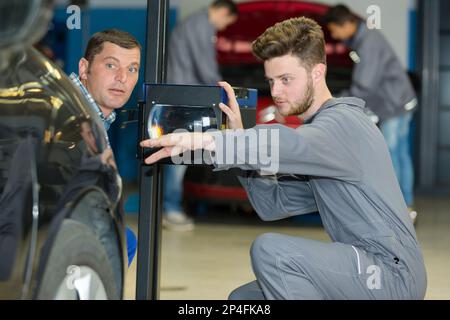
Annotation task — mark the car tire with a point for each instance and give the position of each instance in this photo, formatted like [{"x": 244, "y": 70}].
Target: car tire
[{"x": 78, "y": 267}]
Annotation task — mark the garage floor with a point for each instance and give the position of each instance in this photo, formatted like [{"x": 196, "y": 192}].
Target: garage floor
[{"x": 209, "y": 262}]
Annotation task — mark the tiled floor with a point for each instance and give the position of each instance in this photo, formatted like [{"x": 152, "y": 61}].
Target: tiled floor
[{"x": 212, "y": 260}]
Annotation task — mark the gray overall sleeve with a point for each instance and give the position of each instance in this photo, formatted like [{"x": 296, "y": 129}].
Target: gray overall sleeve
[
  {"x": 178, "y": 66},
  {"x": 192, "y": 53},
  {"x": 368, "y": 71},
  {"x": 379, "y": 78},
  {"x": 203, "y": 54},
  {"x": 324, "y": 148},
  {"x": 275, "y": 199},
  {"x": 319, "y": 149}
]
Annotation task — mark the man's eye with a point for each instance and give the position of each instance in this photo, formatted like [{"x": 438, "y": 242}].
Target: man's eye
[
  {"x": 110, "y": 66},
  {"x": 133, "y": 69},
  {"x": 286, "y": 80}
]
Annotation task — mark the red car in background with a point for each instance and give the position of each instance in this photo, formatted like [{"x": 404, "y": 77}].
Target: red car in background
[{"x": 240, "y": 68}]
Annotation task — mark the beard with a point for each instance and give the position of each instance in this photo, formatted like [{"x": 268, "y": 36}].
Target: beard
[{"x": 301, "y": 106}]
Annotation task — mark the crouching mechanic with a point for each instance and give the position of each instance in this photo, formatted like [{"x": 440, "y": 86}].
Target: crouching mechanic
[
  {"x": 336, "y": 164},
  {"x": 107, "y": 75}
]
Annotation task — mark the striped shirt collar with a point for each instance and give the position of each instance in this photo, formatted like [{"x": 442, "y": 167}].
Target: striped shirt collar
[{"x": 107, "y": 121}]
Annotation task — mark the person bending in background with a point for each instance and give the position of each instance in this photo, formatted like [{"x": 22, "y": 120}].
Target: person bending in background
[{"x": 379, "y": 78}]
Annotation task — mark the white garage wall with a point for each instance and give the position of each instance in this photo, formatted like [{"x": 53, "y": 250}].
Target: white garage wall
[
  {"x": 118, "y": 3},
  {"x": 394, "y": 17}
]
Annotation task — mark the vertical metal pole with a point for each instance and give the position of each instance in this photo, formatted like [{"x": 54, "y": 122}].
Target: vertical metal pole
[
  {"x": 429, "y": 106},
  {"x": 150, "y": 178}
]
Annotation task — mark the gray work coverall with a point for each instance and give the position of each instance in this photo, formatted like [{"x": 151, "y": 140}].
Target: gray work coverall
[
  {"x": 336, "y": 164},
  {"x": 378, "y": 76},
  {"x": 192, "y": 52}
]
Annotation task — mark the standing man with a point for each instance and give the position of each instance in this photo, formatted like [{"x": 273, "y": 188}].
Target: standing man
[
  {"x": 107, "y": 75},
  {"x": 379, "y": 78},
  {"x": 337, "y": 163},
  {"x": 192, "y": 60}
]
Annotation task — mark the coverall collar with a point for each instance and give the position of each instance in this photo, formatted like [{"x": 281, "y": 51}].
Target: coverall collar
[
  {"x": 358, "y": 36},
  {"x": 352, "y": 101}
]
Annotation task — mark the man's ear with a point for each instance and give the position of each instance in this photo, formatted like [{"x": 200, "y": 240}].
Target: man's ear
[
  {"x": 83, "y": 67},
  {"x": 318, "y": 72}
]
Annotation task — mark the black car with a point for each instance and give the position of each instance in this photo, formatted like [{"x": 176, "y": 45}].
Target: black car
[{"x": 61, "y": 230}]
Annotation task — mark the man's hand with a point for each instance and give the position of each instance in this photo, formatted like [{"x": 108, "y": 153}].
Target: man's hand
[
  {"x": 176, "y": 143},
  {"x": 234, "y": 120},
  {"x": 107, "y": 157}
]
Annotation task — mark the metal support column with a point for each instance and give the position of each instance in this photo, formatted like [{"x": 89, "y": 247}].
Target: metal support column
[
  {"x": 150, "y": 177},
  {"x": 429, "y": 64}
]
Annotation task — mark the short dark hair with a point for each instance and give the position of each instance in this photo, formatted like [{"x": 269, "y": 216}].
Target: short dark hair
[
  {"x": 339, "y": 14},
  {"x": 229, "y": 4},
  {"x": 121, "y": 38},
  {"x": 301, "y": 37}
]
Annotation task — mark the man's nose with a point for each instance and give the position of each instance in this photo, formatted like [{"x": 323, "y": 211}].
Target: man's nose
[
  {"x": 121, "y": 75},
  {"x": 334, "y": 35},
  {"x": 276, "y": 89}
]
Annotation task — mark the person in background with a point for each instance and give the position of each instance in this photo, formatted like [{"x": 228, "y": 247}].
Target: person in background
[
  {"x": 192, "y": 60},
  {"x": 379, "y": 79}
]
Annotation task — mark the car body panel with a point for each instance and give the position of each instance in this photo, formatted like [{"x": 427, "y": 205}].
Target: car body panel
[{"x": 45, "y": 123}]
